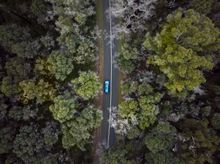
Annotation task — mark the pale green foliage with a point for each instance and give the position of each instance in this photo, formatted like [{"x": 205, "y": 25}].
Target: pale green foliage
[
  {"x": 41, "y": 90},
  {"x": 160, "y": 138},
  {"x": 145, "y": 108},
  {"x": 149, "y": 110},
  {"x": 63, "y": 108},
  {"x": 78, "y": 131},
  {"x": 128, "y": 108},
  {"x": 182, "y": 49},
  {"x": 87, "y": 85}
]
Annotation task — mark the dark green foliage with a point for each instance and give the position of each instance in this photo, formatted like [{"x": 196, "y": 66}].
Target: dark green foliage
[
  {"x": 48, "y": 43},
  {"x": 164, "y": 157},
  {"x": 198, "y": 141},
  {"x": 161, "y": 138},
  {"x": 77, "y": 132},
  {"x": 202, "y": 6},
  {"x": 215, "y": 121},
  {"x": 31, "y": 144},
  {"x": 116, "y": 156},
  {"x": 127, "y": 57},
  {"x": 6, "y": 139}
]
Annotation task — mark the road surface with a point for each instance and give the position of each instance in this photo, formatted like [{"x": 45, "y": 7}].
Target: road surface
[{"x": 110, "y": 73}]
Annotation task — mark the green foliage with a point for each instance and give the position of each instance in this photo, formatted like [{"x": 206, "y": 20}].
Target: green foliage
[
  {"x": 17, "y": 70},
  {"x": 87, "y": 85},
  {"x": 202, "y": 6},
  {"x": 144, "y": 109},
  {"x": 18, "y": 40},
  {"x": 6, "y": 139},
  {"x": 164, "y": 157},
  {"x": 81, "y": 48},
  {"x": 50, "y": 133},
  {"x": 63, "y": 108},
  {"x": 41, "y": 91},
  {"x": 9, "y": 87},
  {"x": 126, "y": 59},
  {"x": 25, "y": 113},
  {"x": 149, "y": 110},
  {"x": 57, "y": 64},
  {"x": 31, "y": 144},
  {"x": 129, "y": 87},
  {"x": 215, "y": 121},
  {"x": 201, "y": 143},
  {"x": 182, "y": 49},
  {"x": 160, "y": 138},
  {"x": 78, "y": 131},
  {"x": 79, "y": 10},
  {"x": 128, "y": 108},
  {"x": 116, "y": 156}
]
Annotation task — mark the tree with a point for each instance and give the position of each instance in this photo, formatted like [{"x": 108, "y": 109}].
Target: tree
[
  {"x": 128, "y": 108},
  {"x": 132, "y": 14},
  {"x": 63, "y": 108},
  {"x": 31, "y": 144},
  {"x": 17, "y": 70},
  {"x": 6, "y": 139},
  {"x": 127, "y": 57},
  {"x": 56, "y": 64},
  {"x": 182, "y": 49},
  {"x": 87, "y": 85},
  {"x": 160, "y": 138},
  {"x": 198, "y": 141},
  {"x": 202, "y": 6},
  {"x": 82, "y": 49},
  {"x": 116, "y": 156},
  {"x": 149, "y": 111},
  {"x": 164, "y": 157},
  {"x": 41, "y": 91},
  {"x": 77, "y": 132},
  {"x": 215, "y": 121}
]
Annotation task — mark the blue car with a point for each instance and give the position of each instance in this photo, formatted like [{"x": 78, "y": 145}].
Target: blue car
[{"x": 106, "y": 86}]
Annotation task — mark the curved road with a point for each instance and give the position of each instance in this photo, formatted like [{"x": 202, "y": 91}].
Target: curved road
[{"x": 110, "y": 73}]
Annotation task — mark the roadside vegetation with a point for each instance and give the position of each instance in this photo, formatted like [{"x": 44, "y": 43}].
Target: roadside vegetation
[
  {"x": 169, "y": 56},
  {"x": 47, "y": 81}
]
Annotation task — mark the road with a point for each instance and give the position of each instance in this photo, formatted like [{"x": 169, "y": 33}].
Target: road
[{"x": 110, "y": 73}]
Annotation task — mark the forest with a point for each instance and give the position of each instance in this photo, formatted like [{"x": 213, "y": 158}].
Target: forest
[
  {"x": 169, "y": 57},
  {"x": 170, "y": 88}
]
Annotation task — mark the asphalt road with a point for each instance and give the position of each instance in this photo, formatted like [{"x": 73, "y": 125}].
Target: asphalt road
[{"x": 110, "y": 73}]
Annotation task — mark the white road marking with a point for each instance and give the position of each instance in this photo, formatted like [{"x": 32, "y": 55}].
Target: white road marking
[{"x": 110, "y": 104}]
